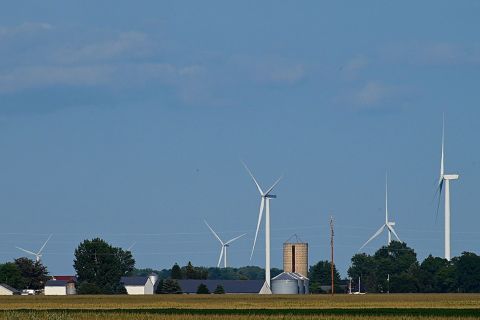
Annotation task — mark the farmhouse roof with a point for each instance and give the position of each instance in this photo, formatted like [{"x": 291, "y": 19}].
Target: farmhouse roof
[
  {"x": 134, "y": 281},
  {"x": 56, "y": 283},
  {"x": 11, "y": 289},
  {"x": 66, "y": 278},
  {"x": 230, "y": 286}
]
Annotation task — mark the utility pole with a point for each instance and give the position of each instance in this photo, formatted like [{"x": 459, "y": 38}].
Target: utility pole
[{"x": 332, "y": 265}]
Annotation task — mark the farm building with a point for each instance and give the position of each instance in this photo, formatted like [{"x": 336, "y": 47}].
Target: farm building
[
  {"x": 6, "y": 290},
  {"x": 290, "y": 283},
  {"x": 60, "y": 287},
  {"x": 138, "y": 285},
  {"x": 190, "y": 286}
]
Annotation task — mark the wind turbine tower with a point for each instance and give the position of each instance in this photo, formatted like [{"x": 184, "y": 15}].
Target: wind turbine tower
[
  {"x": 39, "y": 254},
  {"x": 445, "y": 180},
  {"x": 264, "y": 204},
  {"x": 388, "y": 224},
  {"x": 225, "y": 245}
]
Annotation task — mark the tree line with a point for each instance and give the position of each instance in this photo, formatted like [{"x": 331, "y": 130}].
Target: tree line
[{"x": 395, "y": 268}]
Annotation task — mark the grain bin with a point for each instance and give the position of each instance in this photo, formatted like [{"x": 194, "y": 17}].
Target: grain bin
[{"x": 285, "y": 283}]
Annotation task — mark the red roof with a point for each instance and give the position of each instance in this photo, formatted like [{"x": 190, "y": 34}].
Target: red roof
[{"x": 66, "y": 278}]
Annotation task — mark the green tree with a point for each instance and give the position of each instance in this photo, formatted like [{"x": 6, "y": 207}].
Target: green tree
[
  {"x": 34, "y": 273},
  {"x": 159, "y": 288},
  {"x": 219, "y": 289},
  {"x": 320, "y": 275},
  {"x": 396, "y": 262},
  {"x": 176, "y": 272},
  {"x": 11, "y": 275},
  {"x": 98, "y": 263},
  {"x": 363, "y": 266},
  {"x": 468, "y": 272},
  {"x": 171, "y": 286},
  {"x": 202, "y": 289},
  {"x": 89, "y": 288},
  {"x": 437, "y": 275}
]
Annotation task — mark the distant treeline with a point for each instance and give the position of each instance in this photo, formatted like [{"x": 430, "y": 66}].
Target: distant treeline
[
  {"x": 191, "y": 272},
  {"x": 395, "y": 268}
]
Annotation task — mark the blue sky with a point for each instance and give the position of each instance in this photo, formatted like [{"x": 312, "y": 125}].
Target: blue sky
[{"x": 128, "y": 121}]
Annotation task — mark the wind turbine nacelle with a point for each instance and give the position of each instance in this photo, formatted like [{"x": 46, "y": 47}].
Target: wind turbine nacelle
[
  {"x": 391, "y": 223},
  {"x": 451, "y": 176},
  {"x": 271, "y": 196}
]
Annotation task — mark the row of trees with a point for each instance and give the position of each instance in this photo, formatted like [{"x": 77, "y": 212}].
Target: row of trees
[
  {"x": 24, "y": 273},
  {"x": 395, "y": 268},
  {"x": 191, "y": 272}
]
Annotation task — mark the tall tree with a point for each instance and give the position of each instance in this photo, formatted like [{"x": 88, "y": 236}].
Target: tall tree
[
  {"x": 34, "y": 273},
  {"x": 98, "y": 263},
  {"x": 176, "y": 272},
  {"x": 468, "y": 272},
  {"x": 320, "y": 275},
  {"x": 10, "y": 274}
]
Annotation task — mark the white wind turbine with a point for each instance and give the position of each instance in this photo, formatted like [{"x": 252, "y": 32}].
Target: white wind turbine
[
  {"x": 223, "y": 251},
  {"x": 264, "y": 203},
  {"x": 388, "y": 224},
  {"x": 39, "y": 254},
  {"x": 445, "y": 180}
]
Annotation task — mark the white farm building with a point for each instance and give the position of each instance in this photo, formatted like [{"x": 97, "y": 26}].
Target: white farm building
[
  {"x": 59, "y": 288},
  {"x": 138, "y": 285},
  {"x": 6, "y": 290}
]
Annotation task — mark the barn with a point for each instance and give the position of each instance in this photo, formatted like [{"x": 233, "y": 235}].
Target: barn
[{"x": 138, "y": 285}]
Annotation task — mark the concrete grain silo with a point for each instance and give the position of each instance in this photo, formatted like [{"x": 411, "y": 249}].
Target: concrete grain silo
[{"x": 295, "y": 256}]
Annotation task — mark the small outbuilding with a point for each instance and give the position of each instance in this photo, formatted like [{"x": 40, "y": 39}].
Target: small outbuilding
[
  {"x": 138, "y": 285},
  {"x": 6, "y": 290},
  {"x": 60, "y": 287}
]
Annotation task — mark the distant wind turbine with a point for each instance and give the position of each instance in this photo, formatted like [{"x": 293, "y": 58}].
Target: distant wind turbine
[
  {"x": 445, "y": 180},
  {"x": 39, "y": 254},
  {"x": 225, "y": 245},
  {"x": 264, "y": 202},
  {"x": 388, "y": 224}
]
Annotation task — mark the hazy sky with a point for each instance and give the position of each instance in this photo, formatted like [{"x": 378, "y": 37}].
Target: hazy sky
[{"x": 128, "y": 121}]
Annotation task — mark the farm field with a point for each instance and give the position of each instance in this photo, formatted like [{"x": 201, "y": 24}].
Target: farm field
[{"x": 237, "y": 307}]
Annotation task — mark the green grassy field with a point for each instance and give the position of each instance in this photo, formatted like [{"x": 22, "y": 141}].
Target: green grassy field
[{"x": 394, "y": 306}]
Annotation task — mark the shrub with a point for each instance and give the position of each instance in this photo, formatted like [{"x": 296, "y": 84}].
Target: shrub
[{"x": 202, "y": 289}]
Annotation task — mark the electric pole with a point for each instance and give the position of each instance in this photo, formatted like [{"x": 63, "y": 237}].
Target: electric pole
[{"x": 332, "y": 265}]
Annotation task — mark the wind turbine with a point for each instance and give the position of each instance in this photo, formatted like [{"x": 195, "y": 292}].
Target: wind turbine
[
  {"x": 264, "y": 203},
  {"x": 223, "y": 251},
  {"x": 388, "y": 224},
  {"x": 39, "y": 254},
  {"x": 445, "y": 180}
]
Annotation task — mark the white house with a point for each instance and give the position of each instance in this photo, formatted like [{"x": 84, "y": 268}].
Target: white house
[
  {"x": 138, "y": 285},
  {"x": 6, "y": 290},
  {"x": 59, "y": 288}
]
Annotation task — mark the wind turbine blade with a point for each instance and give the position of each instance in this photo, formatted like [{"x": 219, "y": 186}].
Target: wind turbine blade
[
  {"x": 131, "y": 246},
  {"x": 29, "y": 252},
  {"x": 386, "y": 198},
  {"x": 214, "y": 233},
  {"x": 236, "y": 238},
  {"x": 254, "y": 180},
  {"x": 273, "y": 186},
  {"x": 40, "y": 251},
  {"x": 394, "y": 233},
  {"x": 260, "y": 213},
  {"x": 373, "y": 237},
  {"x": 439, "y": 191},
  {"x": 221, "y": 255},
  {"x": 442, "y": 159}
]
